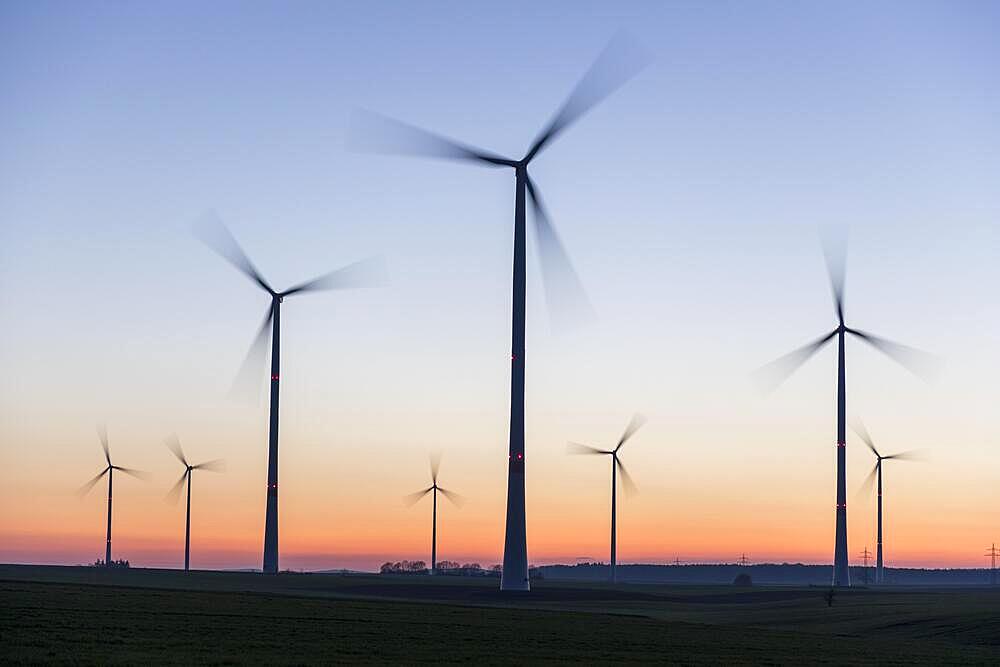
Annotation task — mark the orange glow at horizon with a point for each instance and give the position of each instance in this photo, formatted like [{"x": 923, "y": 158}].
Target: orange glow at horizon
[
  {"x": 333, "y": 526},
  {"x": 757, "y": 480}
]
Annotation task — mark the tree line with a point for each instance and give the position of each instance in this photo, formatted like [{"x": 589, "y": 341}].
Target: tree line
[{"x": 443, "y": 567}]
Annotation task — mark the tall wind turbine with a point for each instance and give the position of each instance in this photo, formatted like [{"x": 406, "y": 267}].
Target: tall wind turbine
[
  {"x": 456, "y": 500},
  {"x": 617, "y": 63},
  {"x": 365, "y": 273},
  {"x": 617, "y": 468},
  {"x": 216, "y": 465},
  {"x": 102, "y": 433},
  {"x": 777, "y": 371},
  {"x": 862, "y": 432}
]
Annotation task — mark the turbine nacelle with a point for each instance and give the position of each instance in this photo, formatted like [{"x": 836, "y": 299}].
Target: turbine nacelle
[
  {"x": 866, "y": 437},
  {"x": 368, "y": 272},
  {"x": 916, "y": 361},
  {"x": 634, "y": 424},
  {"x": 620, "y": 60},
  {"x": 455, "y": 498},
  {"x": 102, "y": 433},
  {"x": 174, "y": 445}
]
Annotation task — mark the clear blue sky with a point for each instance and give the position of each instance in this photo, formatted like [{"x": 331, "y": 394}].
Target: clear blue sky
[{"x": 690, "y": 202}]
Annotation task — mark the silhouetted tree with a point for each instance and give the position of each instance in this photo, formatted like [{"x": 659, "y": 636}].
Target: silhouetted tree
[{"x": 403, "y": 567}]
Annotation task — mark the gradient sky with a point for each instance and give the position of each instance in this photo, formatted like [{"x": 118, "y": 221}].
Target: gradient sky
[{"x": 692, "y": 203}]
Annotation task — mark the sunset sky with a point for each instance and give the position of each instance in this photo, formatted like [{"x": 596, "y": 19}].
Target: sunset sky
[{"x": 692, "y": 202}]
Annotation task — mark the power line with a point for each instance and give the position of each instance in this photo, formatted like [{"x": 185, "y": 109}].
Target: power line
[
  {"x": 865, "y": 556},
  {"x": 993, "y": 553},
  {"x": 744, "y": 561}
]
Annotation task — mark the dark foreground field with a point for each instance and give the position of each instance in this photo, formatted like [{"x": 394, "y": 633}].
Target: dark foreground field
[{"x": 83, "y": 615}]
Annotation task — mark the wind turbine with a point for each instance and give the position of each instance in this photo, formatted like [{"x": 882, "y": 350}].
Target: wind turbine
[
  {"x": 862, "y": 432},
  {"x": 777, "y": 371},
  {"x": 102, "y": 433},
  {"x": 216, "y": 465},
  {"x": 456, "y": 500},
  {"x": 617, "y": 63},
  {"x": 616, "y": 467},
  {"x": 365, "y": 273}
]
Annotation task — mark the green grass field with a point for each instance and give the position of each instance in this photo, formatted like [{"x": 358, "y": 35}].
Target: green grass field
[{"x": 86, "y": 616}]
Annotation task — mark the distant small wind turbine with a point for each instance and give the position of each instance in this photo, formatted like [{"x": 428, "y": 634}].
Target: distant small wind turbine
[
  {"x": 102, "y": 433},
  {"x": 617, "y": 468},
  {"x": 412, "y": 499},
  {"x": 862, "y": 432},
  {"x": 366, "y": 273},
  {"x": 217, "y": 465},
  {"x": 778, "y": 371}
]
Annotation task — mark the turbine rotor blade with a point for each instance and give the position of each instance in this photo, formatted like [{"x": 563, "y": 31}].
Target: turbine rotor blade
[
  {"x": 835, "y": 254},
  {"x": 85, "y": 489},
  {"x": 217, "y": 236},
  {"x": 866, "y": 486},
  {"x": 412, "y": 499},
  {"x": 456, "y": 500},
  {"x": 215, "y": 465},
  {"x": 369, "y": 272},
  {"x": 628, "y": 484},
  {"x": 859, "y": 428},
  {"x": 634, "y": 425},
  {"x": 904, "y": 456},
  {"x": 138, "y": 474},
  {"x": 102, "y": 433},
  {"x": 922, "y": 364},
  {"x": 577, "y": 448},
  {"x": 435, "y": 466},
  {"x": 175, "y": 491},
  {"x": 770, "y": 376},
  {"x": 564, "y": 294},
  {"x": 173, "y": 443},
  {"x": 246, "y": 385},
  {"x": 374, "y": 133},
  {"x": 620, "y": 60}
]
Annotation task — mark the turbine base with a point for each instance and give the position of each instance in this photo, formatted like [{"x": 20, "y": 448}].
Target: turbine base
[{"x": 515, "y": 585}]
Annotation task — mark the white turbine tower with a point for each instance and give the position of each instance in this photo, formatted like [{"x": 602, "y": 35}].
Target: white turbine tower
[
  {"x": 778, "y": 371},
  {"x": 619, "y": 62},
  {"x": 102, "y": 433},
  {"x": 456, "y": 500},
  {"x": 366, "y": 273},
  {"x": 174, "y": 445},
  {"x": 617, "y": 468},
  {"x": 876, "y": 472}
]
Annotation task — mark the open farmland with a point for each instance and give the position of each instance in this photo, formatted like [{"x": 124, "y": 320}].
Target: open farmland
[{"x": 84, "y": 615}]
